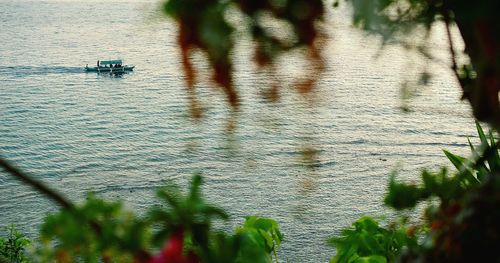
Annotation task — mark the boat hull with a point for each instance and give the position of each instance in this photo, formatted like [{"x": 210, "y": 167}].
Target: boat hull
[{"x": 109, "y": 70}]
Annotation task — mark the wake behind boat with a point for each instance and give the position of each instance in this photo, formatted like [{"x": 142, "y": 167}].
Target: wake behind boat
[{"x": 110, "y": 66}]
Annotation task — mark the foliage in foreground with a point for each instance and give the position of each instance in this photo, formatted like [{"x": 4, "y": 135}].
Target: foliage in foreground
[
  {"x": 460, "y": 221},
  {"x": 12, "y": 247},
  {"x": 179, "y": 230},
  {"x": 463, "y": 224},
  {"x": 366, "y": 241},
  {"x": 210, "y": 26}
]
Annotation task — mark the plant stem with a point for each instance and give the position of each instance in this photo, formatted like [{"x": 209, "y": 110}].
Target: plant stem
[
  {"x": 451, "y": 47},
  {"x": 275, "y": 255},
  {"x": 39, "y": 186}
]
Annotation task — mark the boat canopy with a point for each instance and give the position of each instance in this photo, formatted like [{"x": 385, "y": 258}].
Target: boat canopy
[{"x": 109, "y": 62}]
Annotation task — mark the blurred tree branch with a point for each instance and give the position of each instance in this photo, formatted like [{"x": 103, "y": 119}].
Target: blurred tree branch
[
  {"x": 37, "y": 185},
  {"x": 478, "y": 23}
]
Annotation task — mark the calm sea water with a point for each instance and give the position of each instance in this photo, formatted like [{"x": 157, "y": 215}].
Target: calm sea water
[{"x": 122, "y": 137}]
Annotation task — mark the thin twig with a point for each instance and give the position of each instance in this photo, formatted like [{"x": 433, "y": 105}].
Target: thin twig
[
  {"x": 275, "y": 255},
  {"x": 39, "y": 186},
  {"x": 140, "y": 254},
  {"x": 454, "y": 66}
]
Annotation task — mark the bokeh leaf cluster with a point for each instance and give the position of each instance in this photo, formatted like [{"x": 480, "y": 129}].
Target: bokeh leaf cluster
[
  {"x": 366, "y": 241},
  {"x": 459, "y": 223},
  {"x": 179, "y": 229},
  {"x": 207, "y": 26},
  {"x": 13, "y": 245}
]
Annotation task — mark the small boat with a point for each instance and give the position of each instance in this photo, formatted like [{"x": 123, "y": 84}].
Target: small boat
[{"x": 110, "y": 66}]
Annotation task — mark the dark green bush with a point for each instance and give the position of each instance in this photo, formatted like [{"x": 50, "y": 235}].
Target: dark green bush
[{"x": 13, "y": 246}]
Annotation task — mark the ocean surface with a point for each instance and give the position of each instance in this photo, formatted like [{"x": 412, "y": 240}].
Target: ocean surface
[{"x": 123, "y": 136}]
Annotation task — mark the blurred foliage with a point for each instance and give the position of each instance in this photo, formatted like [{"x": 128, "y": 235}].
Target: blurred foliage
[
  {"x": 472, "y": 173},
  {"x": 179, "y": 230},
  {"x": 479, "y": 29},
  {"x": 185, "y": 215},
  {"x": 463, "y": 229},
  {"x": 13, "y": 246},
  {"x": 459, "y": 223},
  {"x": 96, "y": 230},
  {"x": 187, "y": 219},
  {"x": 479, "y": 169},
  {"x": 463, "y": 223},
  {"x": 366, "y": 241},
  {"x": 257, "y": 235},
  {"x": 206, "y": 26}
]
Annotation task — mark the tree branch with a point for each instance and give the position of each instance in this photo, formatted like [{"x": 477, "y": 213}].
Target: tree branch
[
  {"x": 451, "y": 47},
  {"x": 140, "y": 254},
  {"x": 37, "y": 185}
]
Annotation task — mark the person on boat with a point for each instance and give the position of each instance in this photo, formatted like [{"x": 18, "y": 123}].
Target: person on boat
[{"x": 97, "y": 63}]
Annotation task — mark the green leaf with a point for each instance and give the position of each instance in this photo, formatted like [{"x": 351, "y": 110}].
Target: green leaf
[
  {"x": 480, "y": 132},
  {"x": 471, "y": 146},
  {"x": 402, "y": 196},
  {"x": 462, "y": 165},
  {"x": 366, "y": 241},
  {"x": 457, "y": 160},
  {"x": 195, "y": 187},
  {"x": 260, "y": 236},
  {"x": 495, "y": 157},
  {"x": 252, "y": 247},
  {"x": 482, "y": 170}
]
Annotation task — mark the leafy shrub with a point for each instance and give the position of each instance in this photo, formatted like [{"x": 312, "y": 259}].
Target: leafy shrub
[
  {"x": 472, "y": 174},
  {"x": 259, "y": 235},
  {"x": 177, "y": 231},
  {"x": 461, "y": 227},
  {"x": 13, "y": 246},
  {"x": 366, "y": 241},
  {"x": 96, "y": 230}
]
